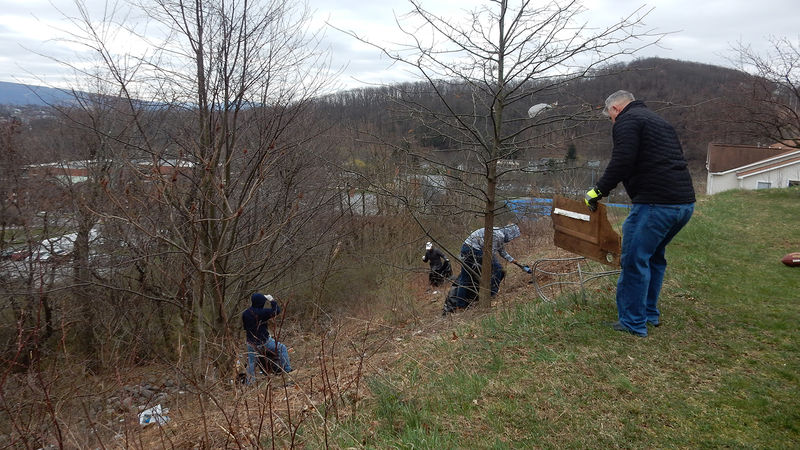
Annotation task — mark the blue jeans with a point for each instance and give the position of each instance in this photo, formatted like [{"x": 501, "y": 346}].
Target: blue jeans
[
  {"x": 645, "y": 235},
  {"x": 470, "y": 276},
  {"x": 271, "y": 345}
]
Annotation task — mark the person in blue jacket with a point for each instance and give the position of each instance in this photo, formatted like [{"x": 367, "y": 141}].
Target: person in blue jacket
[
  {"x": 255, "y": 322},
  {"x": 648, "y": 160}
]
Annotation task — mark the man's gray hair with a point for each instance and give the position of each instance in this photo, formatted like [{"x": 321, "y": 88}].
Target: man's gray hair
[{"x": 617, "y": 97}]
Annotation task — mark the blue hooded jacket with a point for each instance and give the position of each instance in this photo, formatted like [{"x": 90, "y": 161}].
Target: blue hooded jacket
[{"x": 254, "y": 318}]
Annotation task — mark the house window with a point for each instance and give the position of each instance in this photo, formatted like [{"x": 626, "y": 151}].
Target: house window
[
  {"x": 794, "y": 183},
  {"x": 763, "y": 185}
]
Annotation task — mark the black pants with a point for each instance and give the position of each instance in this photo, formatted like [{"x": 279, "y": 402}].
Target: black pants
[{"x": 438, "y": 275}]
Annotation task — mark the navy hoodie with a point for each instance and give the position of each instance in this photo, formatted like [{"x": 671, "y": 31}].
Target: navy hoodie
[{"x": 254, "y": 319}]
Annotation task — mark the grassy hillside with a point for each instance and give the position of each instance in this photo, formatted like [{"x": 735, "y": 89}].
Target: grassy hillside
[{"x": 722, "y": 371}]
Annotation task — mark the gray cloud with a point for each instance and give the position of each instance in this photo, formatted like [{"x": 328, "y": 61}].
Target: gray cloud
[{"x": 704, "y": 31}]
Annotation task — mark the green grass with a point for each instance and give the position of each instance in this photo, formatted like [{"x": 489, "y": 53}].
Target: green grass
[{"x": 722, "y": 371}]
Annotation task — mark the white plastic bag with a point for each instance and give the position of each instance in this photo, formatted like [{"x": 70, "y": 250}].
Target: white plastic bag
[{"x": 153, "y": 415}]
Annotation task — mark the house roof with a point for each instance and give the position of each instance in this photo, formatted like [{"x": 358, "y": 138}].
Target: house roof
[
  {"x": 724, "y": 157},
  {"x": 775, "y": 165}
]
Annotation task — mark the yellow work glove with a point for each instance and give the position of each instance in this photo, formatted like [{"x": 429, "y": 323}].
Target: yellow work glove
[{"x": 591, "y": 198}]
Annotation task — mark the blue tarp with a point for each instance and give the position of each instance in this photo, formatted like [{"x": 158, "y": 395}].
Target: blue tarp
[
  {"x": 530, "y": 207},
  {"x": 534, "y": 207}
]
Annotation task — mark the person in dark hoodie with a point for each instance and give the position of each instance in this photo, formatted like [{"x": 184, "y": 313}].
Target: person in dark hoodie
[
  {"x": 648, "y": 160},
  {"x": 255, "y": 322},
  {"x": 440, "y": 265}
]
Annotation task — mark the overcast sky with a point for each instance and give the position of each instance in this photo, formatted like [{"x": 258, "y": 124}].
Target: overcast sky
[{"x": 704, "y": 31}]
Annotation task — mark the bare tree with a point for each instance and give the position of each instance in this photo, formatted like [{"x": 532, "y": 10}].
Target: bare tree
[
  {"x": 500, "y": 60},
  {"x": 11, "y": 166},
  {"x": 767, "y": 105},
  {"x": 218, "y": 188}
]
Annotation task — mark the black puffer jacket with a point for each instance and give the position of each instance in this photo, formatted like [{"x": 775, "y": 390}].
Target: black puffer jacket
[{"x": 647, "y": 159}]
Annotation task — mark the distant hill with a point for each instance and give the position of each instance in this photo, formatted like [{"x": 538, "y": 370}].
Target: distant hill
[
  {"x": 692, "y": 96},
  {"x": 24, "y": 94}
]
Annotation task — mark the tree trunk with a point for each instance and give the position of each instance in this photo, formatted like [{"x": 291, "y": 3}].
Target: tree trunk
[
  {"x": 484, "y": 290},
  {"x": 81, "y": 293}
]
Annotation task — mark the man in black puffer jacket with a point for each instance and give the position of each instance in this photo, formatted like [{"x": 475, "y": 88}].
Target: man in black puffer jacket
[{"x": 648, "y": 159}]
